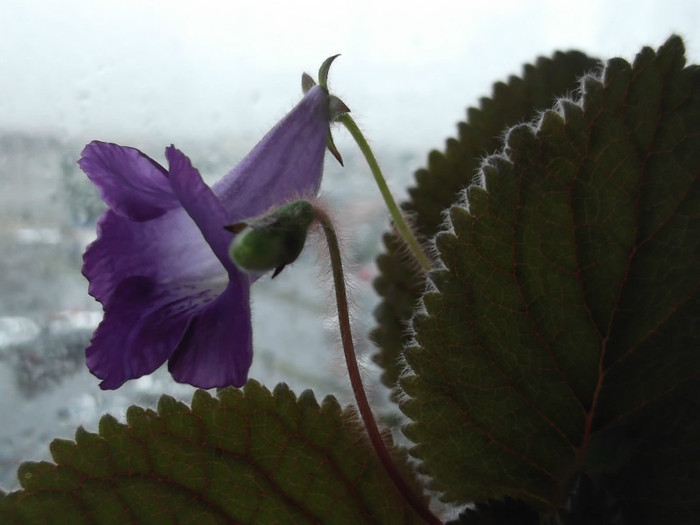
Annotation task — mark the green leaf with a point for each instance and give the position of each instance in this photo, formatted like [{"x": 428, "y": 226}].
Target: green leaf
[
  {"x": 248, "y": 457},
  {"x": 649, "y": 466},
  {"x": 505, "y": 512},
  {"x": 561, "y": 334},
  {"x": 400, "y": 284}
]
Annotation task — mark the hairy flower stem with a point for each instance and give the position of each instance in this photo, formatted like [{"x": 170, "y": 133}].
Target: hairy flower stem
[
  {"x": 354, "y": 372},
  {"x": 401, "y": 225}
]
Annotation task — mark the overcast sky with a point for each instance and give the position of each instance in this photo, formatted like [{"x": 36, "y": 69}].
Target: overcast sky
[{"x": 181, "y": 70}]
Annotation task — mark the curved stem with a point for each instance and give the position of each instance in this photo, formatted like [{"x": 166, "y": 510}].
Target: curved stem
[
  {"x": 354, "y": 372},
  {"x": 394, "y": 210}
]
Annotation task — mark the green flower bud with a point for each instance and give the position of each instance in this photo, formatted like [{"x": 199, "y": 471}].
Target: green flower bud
[{"x": 273, "y": 240}]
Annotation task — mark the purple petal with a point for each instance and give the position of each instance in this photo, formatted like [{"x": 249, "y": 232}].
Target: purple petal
[
  {"x": 130, "y": 183},
  {"x": 143, "y": 325},
  {"x": 201, "y": 204},
  {"x": 160, "y": 264},
  {"x": 169, "y": 248},
  {"x": 286, "y": 164},
  {"x": 216, "y": 350}
]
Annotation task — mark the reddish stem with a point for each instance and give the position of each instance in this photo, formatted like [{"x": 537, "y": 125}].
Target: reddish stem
[{"x": 355, "y": 378}]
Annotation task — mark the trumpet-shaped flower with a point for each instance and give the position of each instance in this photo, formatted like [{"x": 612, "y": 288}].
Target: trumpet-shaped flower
[{"x": 160, "y": 264}]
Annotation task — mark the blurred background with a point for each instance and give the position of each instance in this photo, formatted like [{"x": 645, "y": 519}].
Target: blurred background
[{"x": 212, "y": 77}]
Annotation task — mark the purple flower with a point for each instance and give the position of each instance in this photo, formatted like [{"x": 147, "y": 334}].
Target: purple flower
[{"x": 160, "y": 263}]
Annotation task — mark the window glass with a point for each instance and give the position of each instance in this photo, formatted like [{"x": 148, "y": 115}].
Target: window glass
[{"x": 212, "y": 77}]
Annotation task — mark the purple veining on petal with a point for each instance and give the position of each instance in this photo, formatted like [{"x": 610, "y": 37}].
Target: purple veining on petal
[{"x": 160, "y": 263}]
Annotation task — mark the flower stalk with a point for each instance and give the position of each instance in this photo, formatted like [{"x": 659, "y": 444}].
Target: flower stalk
[
  {"x": 399, "y": 221},
  {"x": 340, "y": 113},
  {"x": 375, "y": 437}
]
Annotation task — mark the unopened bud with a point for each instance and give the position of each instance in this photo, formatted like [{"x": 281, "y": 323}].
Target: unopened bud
[{"x": 273, "y": 240}]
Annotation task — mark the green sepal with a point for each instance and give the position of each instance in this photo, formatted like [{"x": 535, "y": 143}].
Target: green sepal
[
  {"x": 324, "y": 69},
  {"x": 306, "y": 83}
]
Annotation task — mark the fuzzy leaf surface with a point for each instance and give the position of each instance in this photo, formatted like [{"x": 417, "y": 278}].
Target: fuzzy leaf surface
[
  {"x": 561, "y": 334},
  {"x": 249, "y": 456},
  {"x": 447, "y": 174}
]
